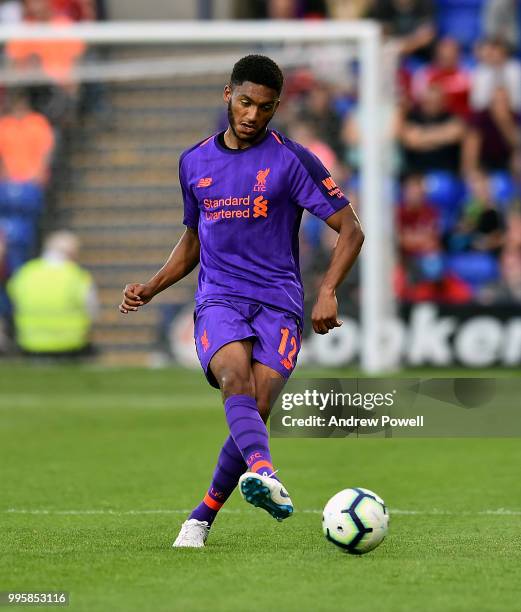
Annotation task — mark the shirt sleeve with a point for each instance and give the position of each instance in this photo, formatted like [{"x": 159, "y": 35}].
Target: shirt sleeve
[
  {"x": 191, "y": 206},
  {"x": 311, "y": 184}
]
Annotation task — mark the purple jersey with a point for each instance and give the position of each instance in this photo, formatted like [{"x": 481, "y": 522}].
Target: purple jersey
[{"x": 247, "y": 205}]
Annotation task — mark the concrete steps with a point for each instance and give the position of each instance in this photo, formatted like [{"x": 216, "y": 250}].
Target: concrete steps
[{"x": 122, "y": 197}]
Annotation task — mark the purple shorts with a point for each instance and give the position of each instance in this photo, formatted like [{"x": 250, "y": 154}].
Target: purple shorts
[{"x": 276, "y": 335}]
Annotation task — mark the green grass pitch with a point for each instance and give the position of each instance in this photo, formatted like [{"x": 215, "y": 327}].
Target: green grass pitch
[{"x": 98, "y": 468}]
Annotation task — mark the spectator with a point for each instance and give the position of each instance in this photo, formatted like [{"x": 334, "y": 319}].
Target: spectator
[
  {"x": 513, "y": 232},
  {"x": 492, "y": 137},
  {"x": 26, "y": 142},
  {"x": 410, "y": 22},
  {"x": 509, "y": 288},
  {"x": 495, "y": 69},
  {"x": 481, "y": 227},
  {"x": 54, "y": 300},
  {"x": 515, "y": 170},
  {"x": 305, "y": 133},
  {"x": 320, "y": 112},
  {"x": 390, "y": 118},
  {"x": 349, "y": 9},
  {"x": 421, "y": 275},
  {"x": 418, "y": 222},
  {"x": 431, "y": 136},
  {"x": 56, "y": 59},
  {"x": 446, "y": 72},
  {"x": 501, "y": 20},
  {"x": 284, "y": 9},
  {"x": 313, "y": 9},
  {"x": 76, "y": 10}
]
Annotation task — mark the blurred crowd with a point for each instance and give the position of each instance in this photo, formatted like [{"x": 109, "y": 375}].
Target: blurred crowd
[
  {"x": 34, "y": 120},
  {"x": 455, "y": 129},
  {"x": 454, "y": 126}
]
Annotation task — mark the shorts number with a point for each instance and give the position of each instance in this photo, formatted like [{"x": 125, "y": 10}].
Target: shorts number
[
  {"x": 287, "y": 362},
  {"x": 284, "y": 340}
]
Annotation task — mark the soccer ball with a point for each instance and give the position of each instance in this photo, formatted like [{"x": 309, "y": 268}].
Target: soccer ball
[{"x": 356, "y": 520}]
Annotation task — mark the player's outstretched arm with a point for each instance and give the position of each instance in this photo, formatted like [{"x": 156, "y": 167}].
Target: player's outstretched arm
[
  {"x": 183, "y": 259},
  {"x": 350, "y": 239}
]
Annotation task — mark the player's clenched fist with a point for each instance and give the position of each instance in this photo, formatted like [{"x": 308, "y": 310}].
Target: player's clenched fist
[
  {"x": 325, "y": 313},
  {"x": 134, "y": 296}
]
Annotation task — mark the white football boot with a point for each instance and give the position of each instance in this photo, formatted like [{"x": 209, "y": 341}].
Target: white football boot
[
  {"x": 267, "y": 493},
  {"x": 193, "y": 534}
]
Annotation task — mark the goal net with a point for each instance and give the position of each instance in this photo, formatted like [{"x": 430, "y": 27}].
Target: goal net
[{"x": 125, "y": 99}]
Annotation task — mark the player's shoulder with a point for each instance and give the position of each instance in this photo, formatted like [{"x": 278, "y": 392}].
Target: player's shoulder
[
  {"x": 195, "y": 149},
  {"x": 295, "y": 149},
  {"x": 300, "y": 155}
]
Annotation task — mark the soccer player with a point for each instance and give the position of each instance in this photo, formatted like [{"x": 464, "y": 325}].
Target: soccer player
[{"x": 244, "y": 192}]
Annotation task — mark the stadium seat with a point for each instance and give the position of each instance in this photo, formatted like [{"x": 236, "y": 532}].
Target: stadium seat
[
  {"x": 475, "y": 268},
  {"x": 461, "y": 20},
  {"x": 502, "y": 188},
  {"x": 412, "y": 64},
  {"x": 446, "y": 192},
  {"x": 20, "y": 199}
]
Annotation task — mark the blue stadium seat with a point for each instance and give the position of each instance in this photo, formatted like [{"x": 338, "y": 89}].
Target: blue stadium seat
[
  {"x": 20, "y": 199},
  {"x": 460, "y": 19},
  {"x": 446, "y": 192},
  {"x": 475, "y": 268},
  {"x": 502, "y": 188}
]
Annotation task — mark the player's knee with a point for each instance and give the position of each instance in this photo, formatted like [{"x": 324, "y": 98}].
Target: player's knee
[
  {"x": 233, "y": 382},
  {"x": 264, "y": 408}
]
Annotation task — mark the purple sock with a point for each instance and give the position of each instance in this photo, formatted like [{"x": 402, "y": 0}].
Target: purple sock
[
  {"x": 230, "y": 466},
  {"x": 249, "y": 433}
]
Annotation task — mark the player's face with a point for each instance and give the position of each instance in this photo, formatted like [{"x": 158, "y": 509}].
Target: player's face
[{"x": 250, "y": 109}]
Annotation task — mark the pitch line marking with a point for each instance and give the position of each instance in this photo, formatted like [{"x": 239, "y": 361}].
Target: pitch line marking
[{"x": 392, "y": 511}]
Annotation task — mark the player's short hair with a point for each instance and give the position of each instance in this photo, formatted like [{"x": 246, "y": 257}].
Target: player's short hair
[{"x": 257, "y": 69}]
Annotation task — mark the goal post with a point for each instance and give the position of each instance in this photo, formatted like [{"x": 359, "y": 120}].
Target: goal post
[{"x": 376, "y": 301}]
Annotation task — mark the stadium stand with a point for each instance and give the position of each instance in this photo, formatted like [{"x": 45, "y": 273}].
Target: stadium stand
[
  {"x": 123, "y": 199},
  {"x": 117, "y": 186}
]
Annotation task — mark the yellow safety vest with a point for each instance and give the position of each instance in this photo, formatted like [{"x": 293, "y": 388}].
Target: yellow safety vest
[{"x": 49, "y": 302}]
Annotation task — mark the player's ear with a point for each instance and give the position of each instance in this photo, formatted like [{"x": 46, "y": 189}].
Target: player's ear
[{"x": 227, "y": 94}]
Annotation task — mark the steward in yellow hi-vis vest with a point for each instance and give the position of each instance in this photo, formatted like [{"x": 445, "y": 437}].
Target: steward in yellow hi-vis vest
[{"x": 50, "y": 297}]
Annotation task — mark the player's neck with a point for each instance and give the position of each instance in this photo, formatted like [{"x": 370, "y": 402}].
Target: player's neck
[{"x": 232, "y": 142}]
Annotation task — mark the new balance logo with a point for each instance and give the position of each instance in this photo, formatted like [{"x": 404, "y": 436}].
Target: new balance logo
[
  {"x": 205, "y": 182},
  {"x": 260, "y": 207}
]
